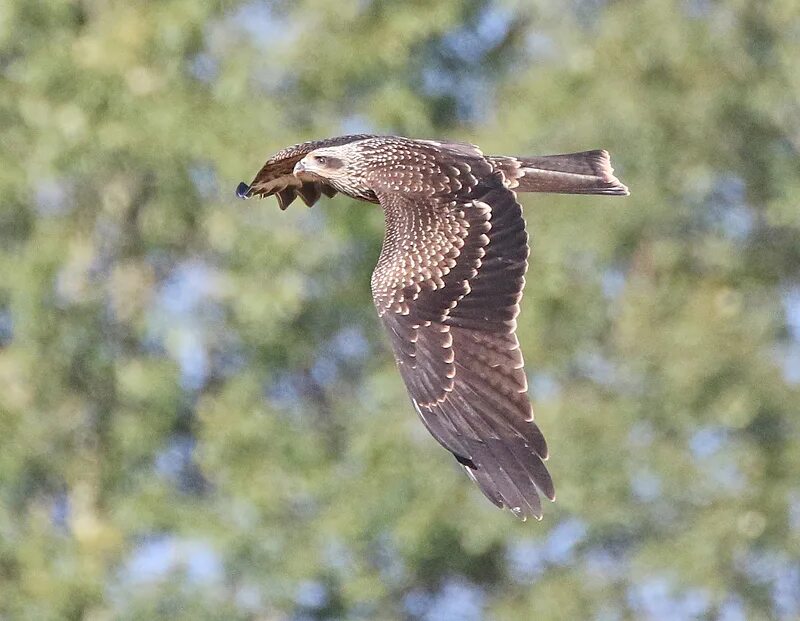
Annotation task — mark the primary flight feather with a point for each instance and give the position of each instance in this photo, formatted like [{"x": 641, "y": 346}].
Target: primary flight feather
[{"x": 449, "y": 281}]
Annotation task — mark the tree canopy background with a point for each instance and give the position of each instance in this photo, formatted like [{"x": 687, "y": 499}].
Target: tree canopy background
[{"x": 199, "y": 415}]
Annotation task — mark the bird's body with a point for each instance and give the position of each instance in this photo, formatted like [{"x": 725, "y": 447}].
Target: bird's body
[{"x": 448, "y": 283}]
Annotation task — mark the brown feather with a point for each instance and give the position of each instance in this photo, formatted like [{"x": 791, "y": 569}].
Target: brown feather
[{"x": 448, "y": 284}]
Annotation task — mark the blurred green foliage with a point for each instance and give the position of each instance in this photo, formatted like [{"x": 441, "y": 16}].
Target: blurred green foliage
[{"x": 199, "y": 415}]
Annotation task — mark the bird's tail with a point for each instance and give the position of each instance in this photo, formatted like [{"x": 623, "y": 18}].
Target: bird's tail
[{"x": 588, "y": 172}]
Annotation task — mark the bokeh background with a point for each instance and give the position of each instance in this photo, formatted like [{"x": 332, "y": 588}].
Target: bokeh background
[{"x": 199, "y": 414}]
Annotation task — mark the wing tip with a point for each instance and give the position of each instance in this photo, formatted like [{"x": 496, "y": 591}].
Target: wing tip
[{"x": 243, "y": 190}]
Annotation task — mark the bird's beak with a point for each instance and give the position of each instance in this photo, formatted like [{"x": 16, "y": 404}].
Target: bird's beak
[{"x": 299, "y": 167}]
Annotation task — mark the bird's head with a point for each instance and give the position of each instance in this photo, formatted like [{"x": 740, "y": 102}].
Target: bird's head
[
  {"x": 337, "y": 166},
  {"x": 320, "y": 163}
]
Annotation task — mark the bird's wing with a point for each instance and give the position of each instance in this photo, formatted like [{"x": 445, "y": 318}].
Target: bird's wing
[
  {"x": 447, "y": 287},
  {"x": 276, "y": 178}
]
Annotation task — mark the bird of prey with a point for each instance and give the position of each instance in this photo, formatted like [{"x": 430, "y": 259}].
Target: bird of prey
[{"x": 448, "y": 283}]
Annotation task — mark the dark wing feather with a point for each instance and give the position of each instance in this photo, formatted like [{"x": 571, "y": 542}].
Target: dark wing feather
[
  {"x": 276, "y": 178},
  {"x": 447, "y": 287}
]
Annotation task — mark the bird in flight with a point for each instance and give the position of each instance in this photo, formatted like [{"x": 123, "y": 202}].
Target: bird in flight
[{"x": 448, "y": 283}]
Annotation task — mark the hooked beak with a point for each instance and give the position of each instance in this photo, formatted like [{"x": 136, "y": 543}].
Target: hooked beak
[{"x": 299, "y": 168}]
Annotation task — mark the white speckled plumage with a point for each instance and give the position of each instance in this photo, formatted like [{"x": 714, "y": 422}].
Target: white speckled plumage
[{"x": 449, "y": 281}]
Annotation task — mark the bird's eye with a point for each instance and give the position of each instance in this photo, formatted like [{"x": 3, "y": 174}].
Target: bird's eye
[{"x": 322, "y": 160}]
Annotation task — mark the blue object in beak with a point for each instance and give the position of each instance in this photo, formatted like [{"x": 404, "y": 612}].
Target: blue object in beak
[{"x": 242, "y": 189}]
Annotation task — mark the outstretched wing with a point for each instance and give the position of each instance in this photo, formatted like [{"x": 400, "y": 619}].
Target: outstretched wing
[
  {"x": 447, "y": 287},
  {"x": 276, "y": 178}
]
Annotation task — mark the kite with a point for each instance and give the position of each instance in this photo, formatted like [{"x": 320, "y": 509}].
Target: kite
[{"x": 449, "y": 281}]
